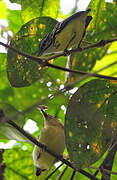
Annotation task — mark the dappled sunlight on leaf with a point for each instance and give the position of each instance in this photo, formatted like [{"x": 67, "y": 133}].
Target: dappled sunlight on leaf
[
  {"x": 90, "y": 122},
  {"x": 21, "y": 70}
]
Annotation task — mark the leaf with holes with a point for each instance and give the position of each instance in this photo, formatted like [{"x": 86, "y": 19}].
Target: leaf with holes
[
  {"x": 22, "y": 71},
  {"x": 91, "y": 121}
]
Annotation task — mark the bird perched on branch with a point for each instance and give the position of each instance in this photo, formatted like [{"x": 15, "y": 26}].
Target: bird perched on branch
[
  {"x": 52, "y": 135},
  {"x": 66, "y": 34}
]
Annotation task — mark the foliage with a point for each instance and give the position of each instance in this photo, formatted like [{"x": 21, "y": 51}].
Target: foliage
[
  {"x": 84, "y": 145},
  {"x": 13, "y": 159},
  {"x": 5, "y": 130},
  {"x": 40, "y": 85},
  {"x": 21, "y": 71}
]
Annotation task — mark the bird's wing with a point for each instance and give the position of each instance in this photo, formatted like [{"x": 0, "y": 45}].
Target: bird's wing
[{"x": 59, "y": 26}]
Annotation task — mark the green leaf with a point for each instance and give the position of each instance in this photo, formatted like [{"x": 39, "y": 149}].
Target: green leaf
[
  {"x": 3, "y": 10},
  {"x": 108, "y": 59},
  {"x": 15, "y": 1},
  {"x": 6, "y": 131},
  {"x": 52, "y": 79},
  {"x": 107, "y": 22},
  {"x": 19, "y": 164},
  {"x": 98, "y": 6},
  {"x": 86, "y": 60},
  {"x": 90, "y": 121},
  {"x": 32, "y": 9},
  {"x": 14, "y": 20},
  {"x": 22, "y": 71}
]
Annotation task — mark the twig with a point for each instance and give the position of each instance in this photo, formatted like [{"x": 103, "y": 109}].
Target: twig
[
  {"x": 104, "y": 170},
  {"x": 53, "y": 171},
  {"x": 44, "y": 62},
  {"x": 62, "y": 173},
  {"x": 98, "y": 45},
  {"x": 2, "y": 165},
  {"x": 34, "y": 58},
  {"x": 81, "y": 72},
  {"x": 73, "y": 174}
]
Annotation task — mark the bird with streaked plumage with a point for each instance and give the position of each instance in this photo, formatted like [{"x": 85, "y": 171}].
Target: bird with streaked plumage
[{"x": 66, "y": 34}]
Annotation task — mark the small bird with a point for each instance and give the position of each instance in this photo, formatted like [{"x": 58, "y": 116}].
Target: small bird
[
  {"x": 52, "y": 135},
  {"x": 66, "y": 34}
]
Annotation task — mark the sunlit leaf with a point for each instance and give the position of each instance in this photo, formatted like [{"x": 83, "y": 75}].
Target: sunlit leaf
[
  {"x": 98, "y": 7},
  {"x": 32, "y": 9},
  {"x": 19, "y": 164},
  {"x": 86, "y": 60},
  {"x": 90, "y": 121},
  {"x": 108, "y": 59},
  {"x": 3, "y": 10},
  {"x": 22, "y": 71},
  {"x": 14, "y": 19}
]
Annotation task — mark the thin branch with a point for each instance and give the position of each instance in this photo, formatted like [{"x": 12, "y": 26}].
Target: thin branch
[
  {"x": 2, "y": 165},
  {"x": 96, "y": 45},
  {"x": 62, "y": 173},
  {"x": 44, "y": 62},
  {"x": 53, "y": 171},
  {"x": 81, "y": 72},
  {"x": 34, "y": 58},
  {"x": 104, "y": 170},
  {"x": 73, "y": 175}
]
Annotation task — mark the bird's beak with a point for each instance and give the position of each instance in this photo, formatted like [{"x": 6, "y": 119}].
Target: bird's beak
[{"x": 44, "y": 113}]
